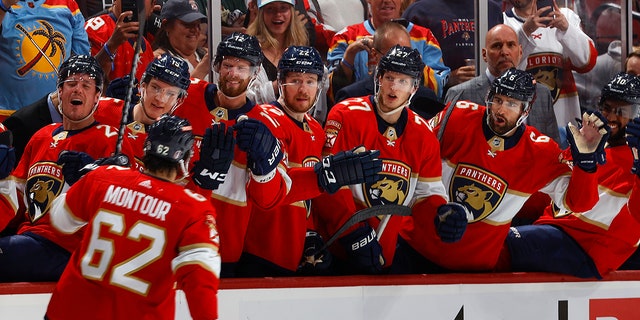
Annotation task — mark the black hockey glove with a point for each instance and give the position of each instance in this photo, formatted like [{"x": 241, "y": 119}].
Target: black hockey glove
[
  {"x": 314, "y": 263},
  {"x": 7, "y": 160},
  {"x": 76, "y": 164},
  {"x": 587, "y": 141},
  {"x": 348, "y": 167},
  {"x": 264, "y": 151},
  {"x": 451, "y": 221},
  {"x": 363, "y": 250},
  {"x": 216, "y": 154},
  {"x": 633, "y": 141},
  {"x": 117, "y": 88}
]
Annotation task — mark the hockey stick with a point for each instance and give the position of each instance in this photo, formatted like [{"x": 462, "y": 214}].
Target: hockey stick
[
  {"x": 445, "y": 119},
  {"x": 364, "y": 214},
  {"x": 142, "y": 18}
]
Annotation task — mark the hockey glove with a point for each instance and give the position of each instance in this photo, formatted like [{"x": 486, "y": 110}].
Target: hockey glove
[
  {"x": 451, "y": 221},
  {"x": 587, "y": 141},
  {"x": 313, "y": 262},
  {"x": 76, "y": 164},
  {"x": 118, "y": 89},
  {"x": 363, "y": 250},
  {"x": 216, "y": 155},
  {"x": 633, "y": 141},
  {"x": 264, "y": 151},
  {"x": 7, "y": 160},
  {"x": 348, "y": 167}
]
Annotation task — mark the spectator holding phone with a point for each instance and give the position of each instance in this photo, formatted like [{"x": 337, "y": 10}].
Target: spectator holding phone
[
  {"x": 553, "y": 45},
  {"x": 112, "y": 37}
]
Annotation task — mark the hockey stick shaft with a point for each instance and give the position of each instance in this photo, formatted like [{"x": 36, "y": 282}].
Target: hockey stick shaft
[
  {"x": 142, "y": 18},
  {"x": 445, "y": 119},
  {"x": 364, "y": 214}
]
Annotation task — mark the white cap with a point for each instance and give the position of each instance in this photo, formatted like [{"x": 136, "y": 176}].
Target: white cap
[{"x": 262, "y": 3}]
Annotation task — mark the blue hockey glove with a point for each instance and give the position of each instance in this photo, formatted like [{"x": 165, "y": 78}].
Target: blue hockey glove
[
  {"x": 72, "y": 162},
  {"x": 264, "y": 151},
  {"x": 7, "y": 160},
  {"x": 587, "y": 151},
  {"x": 632, "y": 135},
  {"x": 313, "y": 262},
  {"x": 363, "y": 250},
  {"x": 117, "y": 88},
  {"x": 451, "y": 221},
  {"x": 76, "y": 164},
  {"x": 216, "y": 155},
  {"x": 348, "y": 167}
]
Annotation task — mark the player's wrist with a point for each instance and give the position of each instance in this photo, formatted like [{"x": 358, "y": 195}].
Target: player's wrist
[{"x": 264, "y": 178}]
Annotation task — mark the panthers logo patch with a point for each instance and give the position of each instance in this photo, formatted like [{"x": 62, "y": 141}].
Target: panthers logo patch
[
  {"x": 546, "y": 68},
  {"x": 479, "y": 190},
  {"x": 392, "y": 187},
  {"x": 44, "y": 184}
]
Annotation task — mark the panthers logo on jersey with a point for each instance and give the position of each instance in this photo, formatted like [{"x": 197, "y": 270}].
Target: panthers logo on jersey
[
  {"x": 547, "y": 68},
  {"x": 479, "y": 190},
  {"x": 393, "y": 185},
  {"x": 44, "y": 184}
]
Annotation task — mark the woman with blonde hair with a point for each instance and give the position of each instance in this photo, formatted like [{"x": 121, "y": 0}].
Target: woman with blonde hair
[{"x": 277, "y": 27}]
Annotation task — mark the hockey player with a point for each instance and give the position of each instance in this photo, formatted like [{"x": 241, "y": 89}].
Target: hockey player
[
  {"x": 163, "y": 88},
  {"x": 595, "y": 242},
  {"x": 115, "y": 275},
  {"x": 410, "y": 173},
  {"x": 491, "y": 163},
  {"x": 300, "y": 75},
  {"x": 259, "y": 152},
  {"x": 37, "y": 252}
]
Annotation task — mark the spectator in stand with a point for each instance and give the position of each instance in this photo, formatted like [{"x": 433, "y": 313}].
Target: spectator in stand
[
  {"x": 180, "y": 32},
  {"x": 387, "y": 36},
  {"x": 35, "y": 38},
  {"x": 277, "y": 26},
  {"x": 180, "y": 238},
  {"x": 632, "y": 64},
  {"x": 553, "y": 46},
  {"x": 595, "y": 242},
  {"x": 452, "y": 23},
  {"x": 501, "y": 52},
  {"x": 37, "y": 252},
  {"x": 351, "y": 49},
  {"x": 112, "y": 36},
  {"x": 491, "y": 164}
]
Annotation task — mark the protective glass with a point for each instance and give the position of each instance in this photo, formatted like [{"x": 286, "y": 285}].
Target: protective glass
[
  {"x": 497, "y": 102},
  {"x": 626, "y": 111}
]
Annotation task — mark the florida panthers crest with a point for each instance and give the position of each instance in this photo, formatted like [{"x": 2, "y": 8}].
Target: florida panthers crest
[
  {"x": 392, "y": 187},
  {"x": 44, "y": 184},
  {"x": 477, "y": 189}
]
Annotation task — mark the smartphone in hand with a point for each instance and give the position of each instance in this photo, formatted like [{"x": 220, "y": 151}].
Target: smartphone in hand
[
  {"x": 130, "y": 5},
  {"x": 541, "y": 4}
]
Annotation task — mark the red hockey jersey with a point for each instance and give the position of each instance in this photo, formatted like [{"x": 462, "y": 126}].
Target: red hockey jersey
[
  {"x": 142, "y": 235},
  {"x": 493, "y": 177},
  {"x": 411, "y": 166},
  {"x": 609, "y": 232}
]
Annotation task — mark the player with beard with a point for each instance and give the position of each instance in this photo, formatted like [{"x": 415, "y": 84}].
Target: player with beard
[
  {"x": 300, "y": 75},
  {"x": 259, "y": 154},
  {"x": 37, "y": 252},
  {"x": 491, "y": 164},
  {"x": 593, "y": 243}
]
